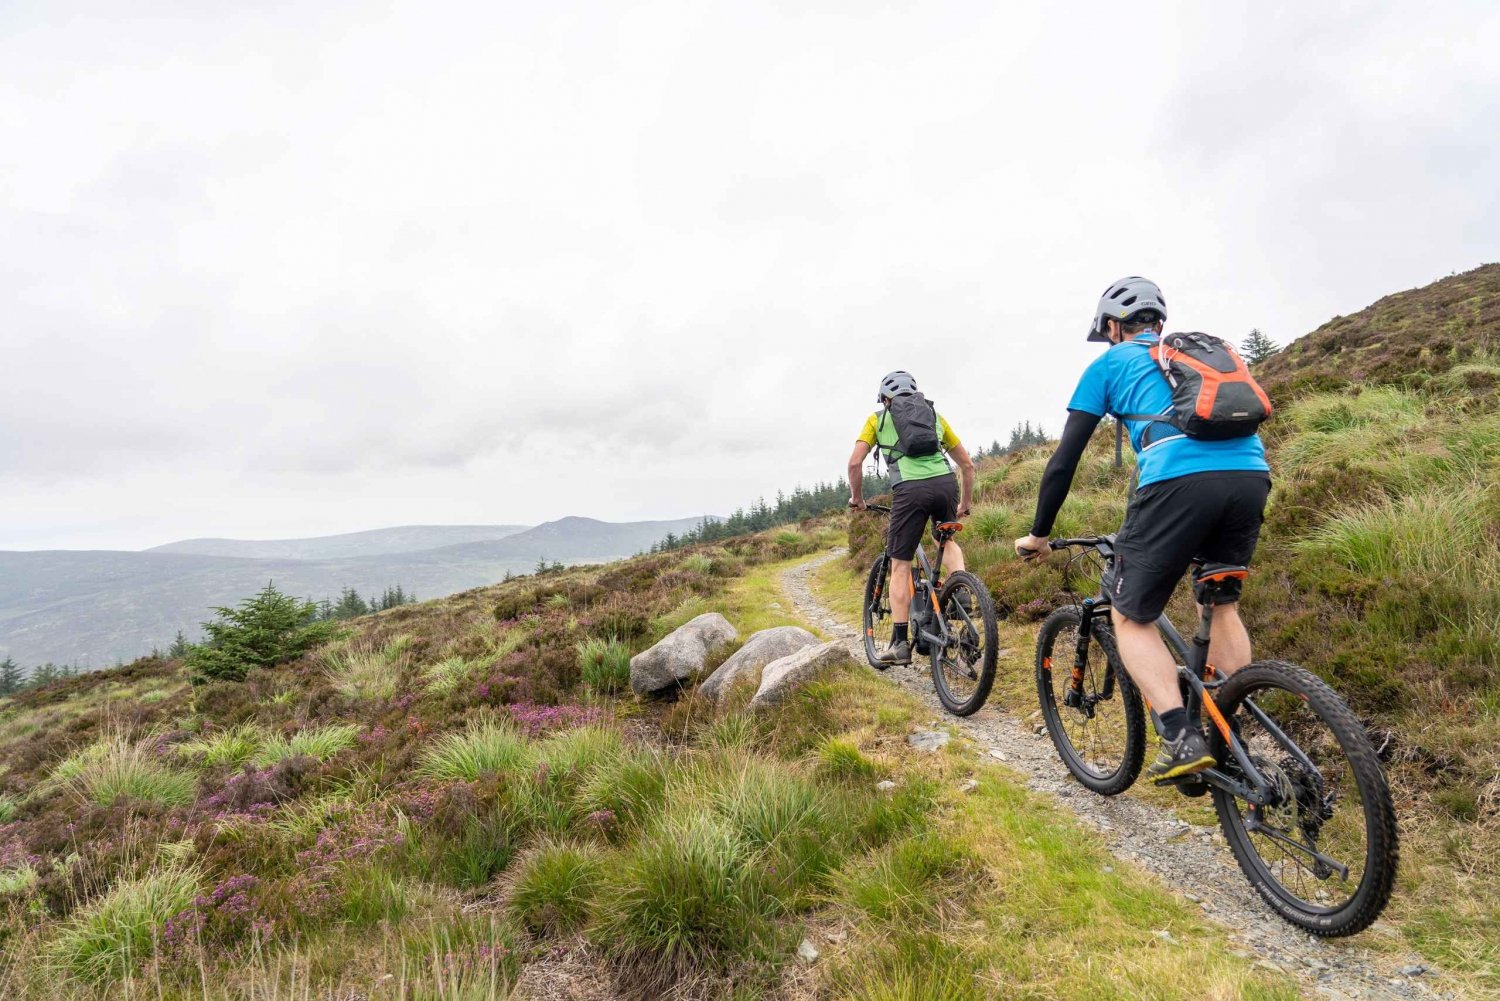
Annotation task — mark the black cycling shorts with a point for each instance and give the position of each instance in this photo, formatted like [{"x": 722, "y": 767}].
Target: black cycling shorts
[
  {"x": 914, "y": 503},
  {"x": 1215, "y": 517}
]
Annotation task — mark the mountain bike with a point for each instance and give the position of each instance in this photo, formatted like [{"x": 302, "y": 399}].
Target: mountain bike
[
  {"x": 1298, "y": 788},
  {"x": 952, "y": 622}
]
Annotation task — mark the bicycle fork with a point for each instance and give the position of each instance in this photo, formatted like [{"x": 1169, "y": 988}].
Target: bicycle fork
[{"x": 1074, "y": 697}]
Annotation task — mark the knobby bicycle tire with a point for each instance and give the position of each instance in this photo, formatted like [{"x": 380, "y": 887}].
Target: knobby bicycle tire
[
  {"x": 955, "y": 703},
  {"x": 871, "y": 618},
  {"x": 1066, "y": 621},
  {"x": 1382, "y": 850}
]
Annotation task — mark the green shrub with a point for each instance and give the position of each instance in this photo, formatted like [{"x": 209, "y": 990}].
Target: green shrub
[
  {"x": 447, "y": 675},
  {"x": 320, "y": 742},
  {"x": 555, "y": 886},
  {"x": 106, "y": 939},
  {"x": 117, "y": 769},
  {"x": 682, "y": 898},
  {"x": 233, "y": 746},
  {"x": 268, "y": 629},
  {"x": 483, "y": 747},
  {"x": 604, "y": 664}
]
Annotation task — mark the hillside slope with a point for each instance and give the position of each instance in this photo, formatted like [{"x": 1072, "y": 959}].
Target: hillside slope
[
  {"x": 450, "y": 801},
  {"x": 95, "y": 607}
]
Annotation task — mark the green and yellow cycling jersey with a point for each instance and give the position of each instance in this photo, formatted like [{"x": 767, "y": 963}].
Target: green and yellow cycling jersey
[{"x": 880, "y": 432}]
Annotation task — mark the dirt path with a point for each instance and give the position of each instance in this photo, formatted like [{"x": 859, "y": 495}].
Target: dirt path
[{"x": 1192, "y": 861}]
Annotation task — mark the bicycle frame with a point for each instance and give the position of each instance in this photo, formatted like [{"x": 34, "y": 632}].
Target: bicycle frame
[
  {"x": 1198, "y": 680},
  {"x": 921, "y": 614}
]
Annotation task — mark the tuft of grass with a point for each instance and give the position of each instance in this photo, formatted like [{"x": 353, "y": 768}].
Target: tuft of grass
[
  {"x": 17, "y": 880},
  {"x": 682, "y": 898},
  {"x": 233, "y": 746},
  {"x": 1428, "y": 535},
  {"x": 782, "y": 816},
  {"x": 106, "y": 939},
  {"x": 624, "y": 791},
  {"x": 9, "y": 806},
  {"x": 841, "y": 760},
  {"x": 360, "y": 672},
  {"x": 117, "y": 769},
  {"x": 604, "y": 665},
  {"x": 555, "y": 886},
  {"x": 320, "y": 742},
  {"x": 447, "y": 675},
  {"x": 700, "y": 563},
  {"x": 908, "y": 880},
  {"x": 484, "y": 747}
]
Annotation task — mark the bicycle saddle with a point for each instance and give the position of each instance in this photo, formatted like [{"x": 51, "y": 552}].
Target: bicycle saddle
[
  {"x": 950, "y": 526},
  {"x": 1214, "y": 572}
]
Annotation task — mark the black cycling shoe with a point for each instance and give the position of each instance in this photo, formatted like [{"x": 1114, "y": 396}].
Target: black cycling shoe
[
  {"x": 895, "y": 655},
  {"x": 1186, "y": 755}
]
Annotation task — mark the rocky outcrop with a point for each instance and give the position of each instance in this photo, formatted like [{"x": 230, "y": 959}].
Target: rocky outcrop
[
  {"x": 759, "y": 650},
  {"x": 791, "y": 672},
  {"x": 680, "y": 654}
]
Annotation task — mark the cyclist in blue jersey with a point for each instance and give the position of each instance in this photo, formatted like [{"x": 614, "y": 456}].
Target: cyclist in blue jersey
[{"x": 1194, "y": 499}]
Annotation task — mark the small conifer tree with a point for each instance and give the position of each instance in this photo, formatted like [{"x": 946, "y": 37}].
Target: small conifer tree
[
  {"x": 270, "y": 628},
  {"x": 1257, "y": 347}
]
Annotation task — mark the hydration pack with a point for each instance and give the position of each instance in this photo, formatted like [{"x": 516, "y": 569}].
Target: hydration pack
[
  {"x": 915, "y": 419},
  {"x": 1214, "y": 396}
]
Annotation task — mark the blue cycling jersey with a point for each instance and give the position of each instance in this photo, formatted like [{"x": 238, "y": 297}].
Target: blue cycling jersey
[{"x": 1124, "y": 380}]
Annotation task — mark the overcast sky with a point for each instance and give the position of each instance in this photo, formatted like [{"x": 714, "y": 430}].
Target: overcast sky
[{"x": 283, "y": 269}]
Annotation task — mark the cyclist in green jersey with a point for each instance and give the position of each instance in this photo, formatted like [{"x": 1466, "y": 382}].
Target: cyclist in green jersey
[{"x": 923, "y": 490}]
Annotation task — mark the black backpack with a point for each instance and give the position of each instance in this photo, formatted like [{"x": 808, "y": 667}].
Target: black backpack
[{"x": 916, "y": 426}]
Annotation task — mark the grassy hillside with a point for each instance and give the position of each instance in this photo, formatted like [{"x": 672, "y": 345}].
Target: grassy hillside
[
  {"x": 1379, "y": 569},
  {"x": 450, "y": 801}
]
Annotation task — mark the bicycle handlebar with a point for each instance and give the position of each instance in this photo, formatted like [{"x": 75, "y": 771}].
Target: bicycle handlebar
[
  {"x": 878, "y": 507},
  {"x": 1091, "y": 542}
]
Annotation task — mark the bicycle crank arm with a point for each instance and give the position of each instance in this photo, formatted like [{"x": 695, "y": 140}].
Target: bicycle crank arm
[
  {"x": 937, "y": 640},
  {"x": 1221, "y": 780},
  {"x": 1256, "y": 827}
]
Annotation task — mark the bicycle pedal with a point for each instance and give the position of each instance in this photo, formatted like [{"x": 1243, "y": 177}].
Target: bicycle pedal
[{"x": 1188, "y": 787}]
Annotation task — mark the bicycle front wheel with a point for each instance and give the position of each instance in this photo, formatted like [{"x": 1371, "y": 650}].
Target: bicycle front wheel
[
  {"x": 964, "y": 670},
  {"x": 1092, "y": 710},
  {"x": 1324, "y": 853},
  {"x": 877, "y": 615}
]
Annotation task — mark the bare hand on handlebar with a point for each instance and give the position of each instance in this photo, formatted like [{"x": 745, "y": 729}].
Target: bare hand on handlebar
[
  {"x": 1033, "y": 547},
  {"x": 857, "y": 503}
]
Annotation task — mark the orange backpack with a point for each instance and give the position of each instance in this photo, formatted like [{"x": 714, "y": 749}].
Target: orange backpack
[{"x": 1214, "y": 396}]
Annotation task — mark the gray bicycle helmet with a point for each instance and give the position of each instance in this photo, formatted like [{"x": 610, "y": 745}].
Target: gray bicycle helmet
[
  {"x": 895, "y": 384},
  {"x": 1123, "y": 299}
]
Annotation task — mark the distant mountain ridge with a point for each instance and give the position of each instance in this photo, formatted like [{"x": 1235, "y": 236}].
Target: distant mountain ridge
[
  {"x": 95, "y": 606},
  {"x": 376, "y": 542}
]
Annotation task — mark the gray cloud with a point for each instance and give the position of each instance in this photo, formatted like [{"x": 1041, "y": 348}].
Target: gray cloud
[{"x": 281, "y": 270}]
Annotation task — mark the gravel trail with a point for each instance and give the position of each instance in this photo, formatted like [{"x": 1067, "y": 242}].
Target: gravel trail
[{"x": 1192, "y": 861}]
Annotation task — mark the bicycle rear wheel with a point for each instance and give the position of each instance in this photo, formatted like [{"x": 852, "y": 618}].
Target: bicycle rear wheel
[
  {"x": 964, "y": 670},
  {"x": 1099, "y": 730},
  {"x": 877, "y": 614},
  {"x": 1336, "y": 814}
]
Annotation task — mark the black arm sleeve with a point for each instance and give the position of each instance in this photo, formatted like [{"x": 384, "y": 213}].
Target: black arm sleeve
[{"x": 1058, "y": 476}]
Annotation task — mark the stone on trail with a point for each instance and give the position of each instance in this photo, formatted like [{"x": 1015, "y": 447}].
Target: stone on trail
[
  {"x": 759, "y": 650},
  {"x": 807, "y": 952},
  {"x": 885, "y": 785},
  {"x": 928, "y": 740},
  {"x": 795, "y": 670},
  {"x": 680, "y": 654}
]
